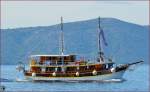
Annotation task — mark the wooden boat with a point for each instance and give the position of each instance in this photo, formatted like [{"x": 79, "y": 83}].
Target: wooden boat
[{"x": 65, "y": 67}]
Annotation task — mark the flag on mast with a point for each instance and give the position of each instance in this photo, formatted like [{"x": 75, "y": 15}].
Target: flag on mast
[{"x": 103, "y": 37}]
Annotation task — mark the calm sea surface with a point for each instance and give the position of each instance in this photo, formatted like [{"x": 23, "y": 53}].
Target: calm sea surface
[{"x": 137, "y": 80}]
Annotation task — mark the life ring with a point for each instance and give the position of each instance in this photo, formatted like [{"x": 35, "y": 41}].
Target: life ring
[
  {"x": 77, "y": 74},
  {"x": 94, "y": 72},
  {"x": 33, "y": 74},
  {"x": 54, "y": 74}
]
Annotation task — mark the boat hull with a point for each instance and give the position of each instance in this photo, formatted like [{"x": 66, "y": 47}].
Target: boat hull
[{"x": 111, "y": 76}]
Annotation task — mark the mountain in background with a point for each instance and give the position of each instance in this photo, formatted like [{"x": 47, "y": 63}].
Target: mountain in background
[{"x": 127, "y": 42}]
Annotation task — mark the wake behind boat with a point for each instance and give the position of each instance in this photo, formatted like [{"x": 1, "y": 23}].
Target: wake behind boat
[{"x": 66, "y": 67}]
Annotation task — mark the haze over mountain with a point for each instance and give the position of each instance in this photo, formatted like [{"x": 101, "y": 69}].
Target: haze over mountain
[{"x": 127, "y": 42}]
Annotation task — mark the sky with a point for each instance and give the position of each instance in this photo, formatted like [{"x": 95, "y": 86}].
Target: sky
[{"x": 15, "y": 14}]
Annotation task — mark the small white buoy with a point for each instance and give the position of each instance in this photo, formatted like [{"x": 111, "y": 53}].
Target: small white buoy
[
  {"x": 33, "y": 74},
  {"x": 77, "y": 74},
  {"x": 94, "y": 72},
  {"x": 112, "y": 70},
  {"x": 54, "y": 74}
]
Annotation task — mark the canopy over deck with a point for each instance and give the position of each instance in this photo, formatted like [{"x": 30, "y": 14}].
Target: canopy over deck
[
  {"x": 49, "y": 55},
  {"x": 54, "y": 58}
]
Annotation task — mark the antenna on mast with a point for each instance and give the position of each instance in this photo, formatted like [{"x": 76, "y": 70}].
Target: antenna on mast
[{"x": 62, "y": 37}]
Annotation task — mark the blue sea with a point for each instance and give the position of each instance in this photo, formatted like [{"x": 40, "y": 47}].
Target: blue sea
[{"x": 135, "y": 80}]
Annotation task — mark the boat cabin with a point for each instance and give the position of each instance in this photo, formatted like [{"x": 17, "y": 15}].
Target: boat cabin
[{"x": 52, "y": 59}]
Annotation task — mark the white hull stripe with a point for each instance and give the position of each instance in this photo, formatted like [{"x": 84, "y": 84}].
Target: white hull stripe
[{"x": 115, "y": 75}]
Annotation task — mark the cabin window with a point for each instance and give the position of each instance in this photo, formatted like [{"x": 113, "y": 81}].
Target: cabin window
[
  {"x": 40, "y": 63},
  {"x": 107, "y": 67},
  {"x": 56, "y": 69},
  {"x": 59, "y": 69},
  {"x": 47, "y": 62},
  {"x": 82, "y": 68},
  {"x": 71, "y": 68},
  {"x": 50, "y": 69},
  {"x": 91, "y": 67},
  {"x": 110, "y": 65},
  {"x": 43, "y": 69}
]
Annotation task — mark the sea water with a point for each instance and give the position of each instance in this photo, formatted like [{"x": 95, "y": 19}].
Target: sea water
[{"x": 136, "y": 80}]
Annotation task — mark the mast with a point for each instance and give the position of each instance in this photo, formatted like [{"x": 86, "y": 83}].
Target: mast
[
  {"x": 100, "y": 33},
  {"x": 62, "y": 37},
  {"x": 62, "y": 42}
]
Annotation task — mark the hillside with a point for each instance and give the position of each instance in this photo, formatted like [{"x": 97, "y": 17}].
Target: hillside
[{"x": 127, "y": 42}]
